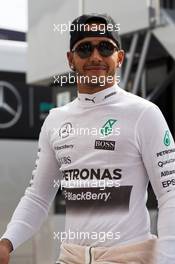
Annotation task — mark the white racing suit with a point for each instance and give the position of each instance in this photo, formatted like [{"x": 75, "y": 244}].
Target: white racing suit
[{"x": 103, "y": 149}]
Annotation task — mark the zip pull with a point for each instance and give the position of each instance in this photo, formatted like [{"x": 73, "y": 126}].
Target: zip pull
[{"x": 90, "y": 255}]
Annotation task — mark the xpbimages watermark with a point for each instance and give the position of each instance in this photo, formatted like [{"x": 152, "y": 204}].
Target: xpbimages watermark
[
  {"x": 64, "y": 27},
  {"x": 101, "y": 184},
  {"x": 79, "y": 235},
  {"x": 85, "y": 79},
  {"x": 103, "y": 132}
]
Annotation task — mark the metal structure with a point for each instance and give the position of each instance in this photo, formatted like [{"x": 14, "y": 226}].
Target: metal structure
[{"x": 162, "y": 27}]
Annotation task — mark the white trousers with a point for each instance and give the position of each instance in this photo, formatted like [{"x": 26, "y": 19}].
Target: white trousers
[{"x": 137, "y": 253}]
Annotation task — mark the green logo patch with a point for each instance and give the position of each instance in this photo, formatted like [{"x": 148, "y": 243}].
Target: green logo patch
[
  {"x": 107, "y": 128},
  {"x": 166, "y": 139}
]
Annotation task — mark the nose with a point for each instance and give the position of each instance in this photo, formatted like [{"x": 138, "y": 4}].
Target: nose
[{"x": 95, "y": 56}]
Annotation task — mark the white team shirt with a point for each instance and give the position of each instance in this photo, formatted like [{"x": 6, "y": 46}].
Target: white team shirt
[{"x": 104, "y": 148}]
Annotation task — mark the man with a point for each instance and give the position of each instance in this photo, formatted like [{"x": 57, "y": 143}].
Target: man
[{"x": 106, "y": 169}]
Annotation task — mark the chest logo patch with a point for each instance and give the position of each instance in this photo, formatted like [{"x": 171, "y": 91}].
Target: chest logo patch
[
  {"x": 65, "y": 130},
  {"x": 107, "y": 127}
]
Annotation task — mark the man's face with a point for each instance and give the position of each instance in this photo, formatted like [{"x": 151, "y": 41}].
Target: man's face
[{"x": 95, "y": 64}]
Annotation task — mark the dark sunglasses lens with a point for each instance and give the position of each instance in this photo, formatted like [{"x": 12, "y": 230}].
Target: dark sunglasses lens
[
  {"x": 84, "y": 50},
  {"x": 106, "y": 48}
]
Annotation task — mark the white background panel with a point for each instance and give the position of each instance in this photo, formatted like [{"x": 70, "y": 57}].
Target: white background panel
[
  {"x": 47, "y": 49},
  {"x": 132, "y": 15}
]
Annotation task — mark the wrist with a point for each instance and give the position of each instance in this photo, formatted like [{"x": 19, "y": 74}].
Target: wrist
[{"x": 7, "y": 243}]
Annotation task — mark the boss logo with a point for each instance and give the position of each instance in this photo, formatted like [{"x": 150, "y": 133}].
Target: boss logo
[{"x": 105, "y": 144}]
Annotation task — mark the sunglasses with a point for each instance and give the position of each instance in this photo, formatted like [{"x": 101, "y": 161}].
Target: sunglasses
[{"x": 85, "y": 49}]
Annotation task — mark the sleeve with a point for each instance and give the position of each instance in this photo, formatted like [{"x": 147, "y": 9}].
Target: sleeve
[
  {"x": 33, "y": 207},
  {"x": 157, "y": 149}
]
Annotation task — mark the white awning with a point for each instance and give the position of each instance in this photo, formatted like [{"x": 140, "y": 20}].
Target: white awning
[{"x": 13, "y": 56}]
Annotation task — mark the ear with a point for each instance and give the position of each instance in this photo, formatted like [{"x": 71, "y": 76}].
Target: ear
[
  {"x": 70, "y": 58},
  {"x": 121, "y": 56}
]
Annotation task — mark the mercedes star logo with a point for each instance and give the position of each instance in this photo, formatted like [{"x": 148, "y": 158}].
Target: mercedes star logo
[
  {"x": 11, "y": 107},
  {"x": 65, "y": 130}
]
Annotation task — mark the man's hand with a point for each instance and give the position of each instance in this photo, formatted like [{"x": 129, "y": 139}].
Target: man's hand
[{"x": 5, "y": 248}]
